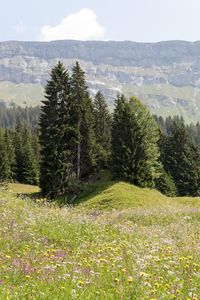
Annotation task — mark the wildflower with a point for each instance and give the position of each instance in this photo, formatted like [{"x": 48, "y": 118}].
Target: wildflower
[
  {"x": 116, "y": 280},
  {"x": 182, "y": 258},
  {"x": 130, "y": 279},
  {"x": 81, "y": 283},
  {"x": 156, "y": 284}
]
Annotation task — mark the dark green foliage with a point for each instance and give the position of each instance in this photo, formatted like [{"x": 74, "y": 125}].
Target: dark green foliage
[
  {"x": 119, "y": 155},
  {"x": 11, "y": 116},
  {"x": 165, "y": 184},
  {"x": 30, "y": 167},
  {"x": 26, "y": 167},
  {"x": 181, "y": 159},
  {"x": 67, "y": 138},
  {"x": 10, "y": 149},
  {"x": 35, "y": 144},
  {"x": 55, "y": 156},
  {"x": 19, "y": 153},
  {"x": 194, "y": 133},
  {"x": 17, "y": 158},
  {"x": 64, "y": 173},
  {"x": 166, "y": 126},
  {"x": 82, "y": 121},
  {"x": 134, "y": 147},
  {"x": 5, "y": 166},
  {"x": 103, "y": 123}
]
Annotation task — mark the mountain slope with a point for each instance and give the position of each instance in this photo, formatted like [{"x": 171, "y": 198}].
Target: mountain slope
[{"x": 165, "y": 75}]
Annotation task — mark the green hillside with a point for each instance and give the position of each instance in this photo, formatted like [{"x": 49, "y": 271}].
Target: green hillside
[
  {"x": 107, "y": 195},
  {"x": 22, "y": 93},
  {"x": 118, "y": 242}
]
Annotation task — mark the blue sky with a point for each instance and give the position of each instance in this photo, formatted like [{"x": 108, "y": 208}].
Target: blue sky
[{"x": 136, "y": 20}]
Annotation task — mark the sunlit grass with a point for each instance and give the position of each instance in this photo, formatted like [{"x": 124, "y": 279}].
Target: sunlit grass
[
  {"x": 23, "y": 188},
  {"x": 146, "y": 249}
]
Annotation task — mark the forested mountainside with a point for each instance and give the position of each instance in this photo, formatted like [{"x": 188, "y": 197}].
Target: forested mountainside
[{"x": 165, "y": 75}]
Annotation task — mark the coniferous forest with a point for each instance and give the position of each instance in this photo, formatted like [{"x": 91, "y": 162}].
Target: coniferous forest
[{"x": 69, "y": 140}]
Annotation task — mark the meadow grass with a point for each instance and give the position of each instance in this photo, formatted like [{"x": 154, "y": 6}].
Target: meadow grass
[{"x": 118, "y": 242}]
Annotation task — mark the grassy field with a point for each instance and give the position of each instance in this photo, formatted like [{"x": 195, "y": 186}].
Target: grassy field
[
  {"x": 29, "y": 93},
  {"x": 118, "y": 242}
]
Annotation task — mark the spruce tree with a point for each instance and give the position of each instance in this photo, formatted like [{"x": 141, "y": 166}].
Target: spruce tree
[
  {"x": 119, "y": 153},
  {"x": 5, "y": 166},
  {"x": 102, "y": 130},
  {"x": 55, "y": 163},
  {"x": 165, "y": 184},
  {"x": 30, "y": 166},
  {"x": 19, "y": 153},
  {"x": 65, "y": 173},
  {"x": 135, "y": 143},
  {"x": 83, "y": 144},
  {"x": 10, "y": 149},
  {"x": 26, "y": 167}
]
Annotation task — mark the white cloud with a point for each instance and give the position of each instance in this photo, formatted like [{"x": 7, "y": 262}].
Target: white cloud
[{"x": 82, "y": 25}]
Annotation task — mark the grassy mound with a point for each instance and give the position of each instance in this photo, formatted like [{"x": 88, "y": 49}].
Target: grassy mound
[
  {"x": 108, "y": 194},
  {"x": 122, "y": 195}
]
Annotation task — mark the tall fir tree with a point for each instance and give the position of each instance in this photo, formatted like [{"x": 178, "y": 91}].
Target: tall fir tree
[
  {"x": 103, "y": 123},
  {"x": 54, "y": 166},
  {"x": 5, "y": 165},
  {"x": 10, "y": 149},
  {"x": 30, "y": 167},
  {"x": 65, "y": 172},
  {"x": 26, "y": 167},
  {"x": 119, "y": 153},
  {"x": 19, "y": 153},
  {"x": 82, "y": 121},
  {"x": 135, "y": 143}
]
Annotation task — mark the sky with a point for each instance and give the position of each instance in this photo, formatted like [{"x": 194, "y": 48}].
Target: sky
[{"x": 133, "y": 20}]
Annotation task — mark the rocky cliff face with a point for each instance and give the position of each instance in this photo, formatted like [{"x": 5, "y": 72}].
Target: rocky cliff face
[{"x": 165, "y": 75}]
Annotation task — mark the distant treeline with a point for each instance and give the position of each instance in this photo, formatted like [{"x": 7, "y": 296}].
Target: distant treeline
[
  {"x": 11, "y": 116},
  {"x": 166, "y": 126},
  {"x": 19, "y": 155}
]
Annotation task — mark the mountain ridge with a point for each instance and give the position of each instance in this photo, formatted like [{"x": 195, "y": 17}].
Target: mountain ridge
[{"x": 165, "y": 75}]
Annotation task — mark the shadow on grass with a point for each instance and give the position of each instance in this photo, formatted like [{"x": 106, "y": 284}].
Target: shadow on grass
[
  {"x": 88, "y": 191},
  {"x": 32, "y": 196},
  {"x": 93, "y": 190}
]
